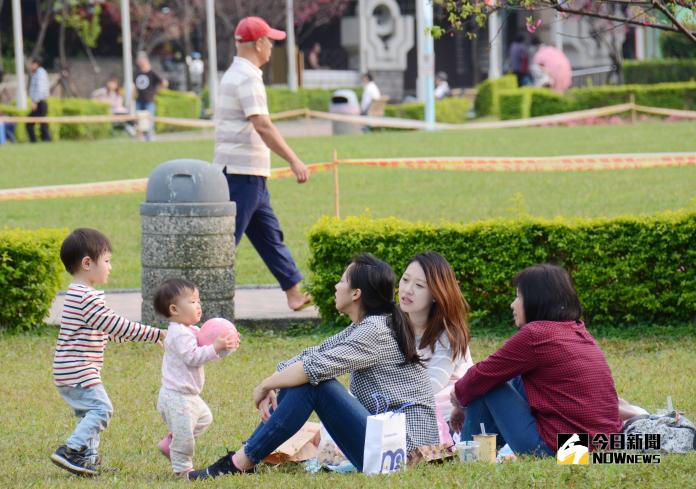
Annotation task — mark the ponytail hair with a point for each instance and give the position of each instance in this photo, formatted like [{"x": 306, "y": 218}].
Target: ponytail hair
[{"x": 376, "y": 281}]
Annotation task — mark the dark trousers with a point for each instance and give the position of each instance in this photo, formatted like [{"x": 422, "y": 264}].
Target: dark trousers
[
  {"x": 256, "y": 218},
  {"x": 505, "y": 411},
  {"x": 41, "y": 111},
  {"x": 342, "y": 414}
]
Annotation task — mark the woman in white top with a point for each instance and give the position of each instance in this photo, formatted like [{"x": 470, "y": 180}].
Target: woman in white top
[{"x": 430, "y": 296}]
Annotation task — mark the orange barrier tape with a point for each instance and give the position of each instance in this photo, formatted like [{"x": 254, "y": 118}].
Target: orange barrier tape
[
  {"x": 388, "y": 122},
  {"x": 526, "y": 164},
  {"x": 472, "y": 164},
  {"x": 115, "y": 187}
]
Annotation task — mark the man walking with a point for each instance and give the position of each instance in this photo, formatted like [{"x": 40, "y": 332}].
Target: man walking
[
  {"x": 38, "y": 93},
  {"x": 147, "y": 83},
  {"x": 244, "y": 136}
]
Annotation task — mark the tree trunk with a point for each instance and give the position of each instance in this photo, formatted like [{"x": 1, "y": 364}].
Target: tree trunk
[{"x": 44, "y": 20}]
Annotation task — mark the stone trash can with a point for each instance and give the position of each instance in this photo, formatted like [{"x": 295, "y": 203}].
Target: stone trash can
[
  {"x": 345, "y": 102},
  {"x": 187, "y": 225}
]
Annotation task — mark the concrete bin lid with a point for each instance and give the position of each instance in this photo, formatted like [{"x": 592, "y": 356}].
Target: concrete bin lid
[
  {"x": 187, "y": 181},
  {"x": 187, "y": 188}
]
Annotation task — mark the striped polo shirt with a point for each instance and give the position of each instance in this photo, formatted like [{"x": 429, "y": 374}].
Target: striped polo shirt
[
  {"x": 238, "y": 147},
  {"x": 85, "y": 327}
]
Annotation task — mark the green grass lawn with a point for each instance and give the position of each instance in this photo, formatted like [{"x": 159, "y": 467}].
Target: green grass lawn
[
  {"x": 409, "y": 194},
  {"x": 35, "y": 420}
]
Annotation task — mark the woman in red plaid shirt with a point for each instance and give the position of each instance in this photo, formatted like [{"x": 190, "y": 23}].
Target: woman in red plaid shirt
[{"x": 550, "y": 377}]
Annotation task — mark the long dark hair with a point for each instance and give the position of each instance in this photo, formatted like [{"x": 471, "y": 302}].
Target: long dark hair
[
  {"x": 449, "y": 311},
  {"x": 376, "y": 279},
  {"x": 548, "y": 294}
]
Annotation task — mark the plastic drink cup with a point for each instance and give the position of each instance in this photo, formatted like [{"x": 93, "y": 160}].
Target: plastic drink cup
[
  {"x": 468, "y": 451},
  {"x": 487, "y": 449}
]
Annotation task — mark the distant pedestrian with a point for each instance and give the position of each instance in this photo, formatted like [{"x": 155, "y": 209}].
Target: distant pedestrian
[
  {"x": 519, "y": 61},
  {"x": 38, "y": 93},
  {"x": 147, "y": 84},
  {"x": 371, "y": 93},
  {"x": 442, "y": 88}
]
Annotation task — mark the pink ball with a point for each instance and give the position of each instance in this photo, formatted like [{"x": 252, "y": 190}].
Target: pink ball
[{"x": 213, "y": 328}]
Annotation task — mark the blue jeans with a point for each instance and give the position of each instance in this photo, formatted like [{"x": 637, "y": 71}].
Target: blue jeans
[
  {"x": 256, "y": 218},
  {"x": 93, "y": 408},
  {"x": 150, "y": 107},
  {"x": 505, "y": 411},
  {"x": 342, "y": 415}
]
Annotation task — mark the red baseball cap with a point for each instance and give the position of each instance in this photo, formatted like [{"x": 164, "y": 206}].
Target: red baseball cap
[{"x": 254, "y": 28}]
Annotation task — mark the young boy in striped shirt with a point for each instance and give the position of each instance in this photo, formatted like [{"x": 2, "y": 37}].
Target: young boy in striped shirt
[{"x": 86, "y": 325}]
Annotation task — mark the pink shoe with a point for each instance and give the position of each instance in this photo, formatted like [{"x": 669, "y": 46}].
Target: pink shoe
[{"x": 164, "y": 443}]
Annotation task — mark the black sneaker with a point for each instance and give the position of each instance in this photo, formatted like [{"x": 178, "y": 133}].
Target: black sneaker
[
  {"x": 223, "y": 466},
  {"x": 75, "y": 461}
]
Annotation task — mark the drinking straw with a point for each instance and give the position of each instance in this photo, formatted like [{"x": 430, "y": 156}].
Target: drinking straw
[{"x": 483, "y": 429}]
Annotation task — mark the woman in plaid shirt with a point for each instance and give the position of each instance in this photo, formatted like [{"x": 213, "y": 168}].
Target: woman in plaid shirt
[{"x": 378, "y": 349}]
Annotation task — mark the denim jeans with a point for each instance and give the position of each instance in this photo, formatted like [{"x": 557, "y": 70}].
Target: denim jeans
[
  {"x": 256, "y": 218},
  {"x": 150, "y": 107},
  {"x": 343, "y": 416},
  {"x": 93, "y": 408},
  {"x": 505, "y": 411}
]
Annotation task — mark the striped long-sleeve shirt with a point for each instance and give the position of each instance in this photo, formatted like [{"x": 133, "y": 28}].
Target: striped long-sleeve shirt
[
  {"x": 39, "y": 85},
  {"x": 85, "y": 327}
]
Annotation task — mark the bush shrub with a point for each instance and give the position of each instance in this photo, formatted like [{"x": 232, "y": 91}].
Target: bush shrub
[
  {"x": 628, "y": 269},
  {"x": 170, "y": 103},
  {"x": 451, "y": 110},
  {"x": 514, "y": 104},
  {"x": 543, "y": 101},
  {"x": 68, "y": 107},
  {"x": 30, "y": 276},
  {"x": 282, "y": 99},
  {"x": 487, "y": 102},
  {"x": 80, "y": 106},
  {"x": 660, "y": 70}
]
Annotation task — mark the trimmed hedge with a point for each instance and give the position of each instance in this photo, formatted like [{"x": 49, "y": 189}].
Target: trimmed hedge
[
  {"x": 282, "y": 99},
  {"x": 543, "y": 101},
  {"x": 628, "y": 269},
  {"x": 80, "y": 106},
  {"x": 30, "y": 276},
  {"x": 450, "y": 110},
  {"x": 170, "y": 103},
  {"x": 486, "y": 102},
  {"x": 68, "y": 107},
  {"x": 659, "y": 70}
]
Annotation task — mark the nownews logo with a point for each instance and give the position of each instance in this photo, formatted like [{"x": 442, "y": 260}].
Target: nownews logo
[{"x": 574, "y": 448}]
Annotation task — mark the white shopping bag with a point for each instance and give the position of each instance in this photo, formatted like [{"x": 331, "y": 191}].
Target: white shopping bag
[{"x": 385, "y": 443}]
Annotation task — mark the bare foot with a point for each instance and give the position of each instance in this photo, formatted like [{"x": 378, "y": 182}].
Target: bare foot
[{"x": 298, "y": 300}]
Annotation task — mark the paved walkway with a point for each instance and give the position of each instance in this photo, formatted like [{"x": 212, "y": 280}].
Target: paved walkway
[{"x": 251, "y": 305}]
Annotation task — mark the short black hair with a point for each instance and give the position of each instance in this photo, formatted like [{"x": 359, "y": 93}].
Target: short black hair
[
  {"x": 368, "y": 76},
  {"x": 37, "y": 60},
  {"x": 80, "y": 243},
  {"x": 167, "y": 294},
  {"x": 548, "y": 294}
]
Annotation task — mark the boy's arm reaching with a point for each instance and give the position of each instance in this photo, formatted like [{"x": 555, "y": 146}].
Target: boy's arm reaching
[{"x": 99, "y": 316}]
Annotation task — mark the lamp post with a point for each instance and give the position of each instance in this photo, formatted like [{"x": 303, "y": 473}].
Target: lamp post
[{"x": 19, "y": 55}]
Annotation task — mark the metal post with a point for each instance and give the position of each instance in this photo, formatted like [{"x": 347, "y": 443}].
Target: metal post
[
  {"x": 127, "y": 56},
  {"x": 428, "y": 60},
  {"x": 420, "y": 42},
  {"x": 495, "y": 42},
  {"x": 212, "y": 52},
  {"x": 19, "y": 55},
  {"x": 362, "y": 20},
  {"x": 290, "y": 45}
]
